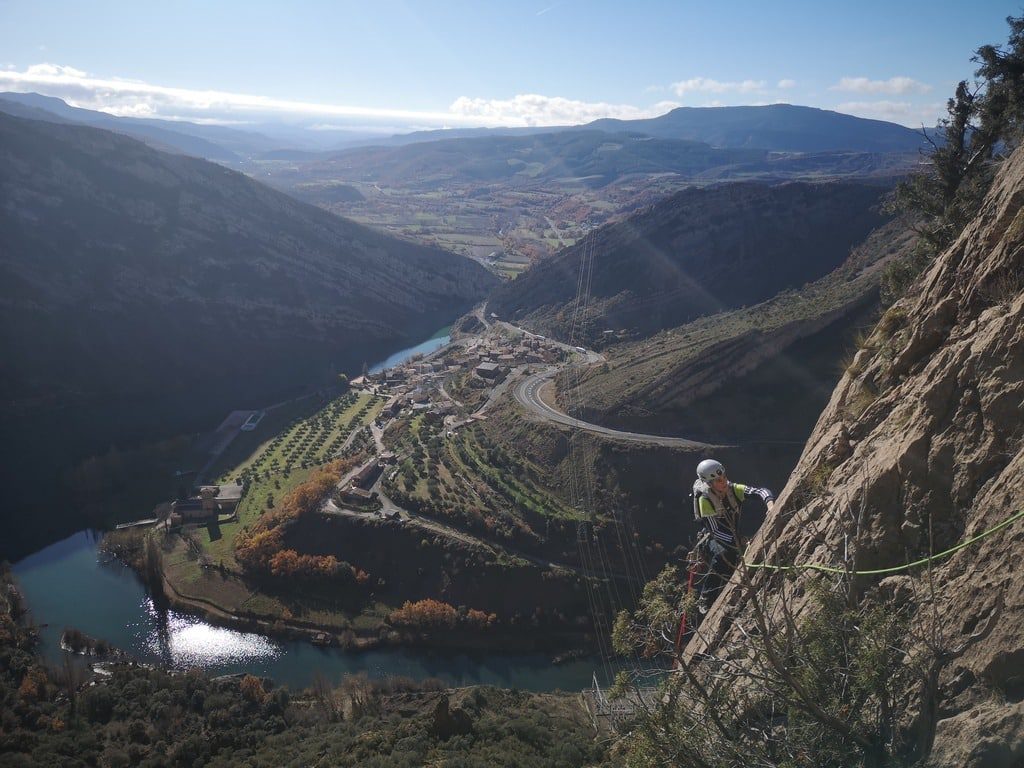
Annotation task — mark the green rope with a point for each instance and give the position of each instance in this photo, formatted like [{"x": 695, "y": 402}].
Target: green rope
[{"x": 895, "y": 568}]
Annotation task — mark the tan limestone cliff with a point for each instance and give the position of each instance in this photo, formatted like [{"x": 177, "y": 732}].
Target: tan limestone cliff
[{"x": 923, "y": 438}]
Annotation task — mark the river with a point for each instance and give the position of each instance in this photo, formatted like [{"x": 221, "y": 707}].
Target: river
[{"x": 69, "y": 584}]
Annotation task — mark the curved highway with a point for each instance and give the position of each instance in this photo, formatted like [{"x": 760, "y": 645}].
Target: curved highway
[{"x": 527, "y": 394}]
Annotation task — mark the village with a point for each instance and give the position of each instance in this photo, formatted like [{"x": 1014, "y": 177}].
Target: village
[{"x": 456, "y": 383}]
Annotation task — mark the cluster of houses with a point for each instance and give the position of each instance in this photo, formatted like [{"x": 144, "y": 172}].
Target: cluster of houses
[
  {"x": 360, "y": 487},
  {"x": 489, "y": 359},
  {"x": 492, "y": 359}
]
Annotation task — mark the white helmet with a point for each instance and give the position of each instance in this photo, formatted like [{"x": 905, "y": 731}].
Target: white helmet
[{"x": 710, "y": 470}]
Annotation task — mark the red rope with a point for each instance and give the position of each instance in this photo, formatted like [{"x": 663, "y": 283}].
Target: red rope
[{"x": 682, "y": 616}]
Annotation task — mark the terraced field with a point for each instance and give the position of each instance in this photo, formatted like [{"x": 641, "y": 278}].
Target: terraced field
[
  {"x": 310, "y": 441},
  {"x": 466, "y": 481},
  {"x": 273, "y": 469},
  {"x": 285, "y": 461}
]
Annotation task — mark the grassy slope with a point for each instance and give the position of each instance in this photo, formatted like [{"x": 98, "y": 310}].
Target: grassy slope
[
  {"x": 273, "y": 469},
  {"x": 644, "y": 380}
]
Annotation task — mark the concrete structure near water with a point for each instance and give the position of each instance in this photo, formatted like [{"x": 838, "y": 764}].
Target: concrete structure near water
[{"x": 209, "y": 503}]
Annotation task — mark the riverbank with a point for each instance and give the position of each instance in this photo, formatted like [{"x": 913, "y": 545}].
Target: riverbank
[
  {"x": 69, "y": 584},
  {"x": 562, "y": 645},
  {"x": 116, "y": 714},
  {"x": 364, "y": 630}
]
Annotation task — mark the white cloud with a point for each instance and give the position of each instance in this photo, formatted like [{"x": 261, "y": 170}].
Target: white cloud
[
  {"x": 132, "y": 97},
  {"x": 902, "y": 112},
  {"x": 534, "y": 109},
  {"x": 708, "y": 85},
  {"x": 894, "y": 85},
  {"x": 786, "y": 84},
  {"x": 206, "y": 120},
  {"x": 140, "y": 99},
  {"x": 54, "y": 70}
]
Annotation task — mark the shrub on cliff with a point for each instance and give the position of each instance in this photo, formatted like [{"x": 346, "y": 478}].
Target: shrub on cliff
[{"x": 983, "y": 121}]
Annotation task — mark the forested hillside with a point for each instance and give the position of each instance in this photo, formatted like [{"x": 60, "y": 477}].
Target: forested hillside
[{"x": 144, "y": 295}]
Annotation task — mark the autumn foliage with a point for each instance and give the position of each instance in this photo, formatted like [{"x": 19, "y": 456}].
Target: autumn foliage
[
  {"x": 33, "y": 685},
  {"x": 435, "y": 614},
  {"x": 262, "y": 549},
  {"x": 252, "y": 689},
  {"x": 288, "y": 562}
]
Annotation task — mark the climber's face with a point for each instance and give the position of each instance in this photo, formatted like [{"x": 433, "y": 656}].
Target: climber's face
[{"x": 719, "y": 484}]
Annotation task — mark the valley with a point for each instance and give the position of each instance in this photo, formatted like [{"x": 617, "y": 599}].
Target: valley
[
  {"x": 510, "y": 200},
  {"x": 400, "y": 385},
  {"x": 418, "y": 463}
]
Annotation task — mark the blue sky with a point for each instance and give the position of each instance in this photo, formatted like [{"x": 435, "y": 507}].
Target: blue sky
[{"x": 388, "y": 64}]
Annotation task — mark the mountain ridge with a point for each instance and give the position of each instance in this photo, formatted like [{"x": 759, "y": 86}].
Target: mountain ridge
[
  {"x": 776, "y": 127},
  {"x": 100, "y": 221},
  {"x": 695, "y": 253},
  {"x": 772, "y": 127}
]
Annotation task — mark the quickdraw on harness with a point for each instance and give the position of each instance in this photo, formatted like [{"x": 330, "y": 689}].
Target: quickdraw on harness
[{"x": 696, "y": 566}]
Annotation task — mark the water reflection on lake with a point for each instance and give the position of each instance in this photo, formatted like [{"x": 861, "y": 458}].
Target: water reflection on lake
[
  {"x": 70, "y": 584},
  {"x": 186, "y": 642}
]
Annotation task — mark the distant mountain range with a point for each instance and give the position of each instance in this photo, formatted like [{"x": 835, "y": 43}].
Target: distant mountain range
[
  {"x": 773, "y": 128},
  {"x": 595, "y": 158},
  {"x": 211, "y": 142},
  {"x": 700, "y": 146}
]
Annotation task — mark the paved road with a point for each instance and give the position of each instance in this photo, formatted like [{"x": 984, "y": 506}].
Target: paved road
[{"x": 527, "y": 394}]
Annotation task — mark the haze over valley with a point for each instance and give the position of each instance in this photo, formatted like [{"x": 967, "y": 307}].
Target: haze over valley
[{"x": 378, "y": 392}]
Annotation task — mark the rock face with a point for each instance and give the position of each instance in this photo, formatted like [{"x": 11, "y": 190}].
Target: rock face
[{"x": 924, "y": 436}]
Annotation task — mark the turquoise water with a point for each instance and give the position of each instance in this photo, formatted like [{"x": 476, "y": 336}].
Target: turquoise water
[
  {"x": 432, "y": 344},
  {"x": 68, "y": 584}
]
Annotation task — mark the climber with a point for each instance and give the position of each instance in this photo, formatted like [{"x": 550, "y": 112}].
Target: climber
[{"x": 716, "y": 502}]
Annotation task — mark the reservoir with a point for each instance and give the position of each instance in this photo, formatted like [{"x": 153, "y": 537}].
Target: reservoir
[{"x": 71, "y": 584}]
